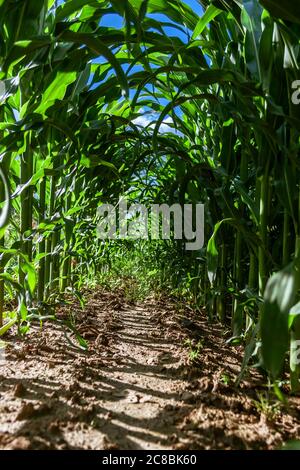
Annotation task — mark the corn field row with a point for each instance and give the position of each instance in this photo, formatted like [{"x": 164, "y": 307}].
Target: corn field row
[{"x": 179, "y": 107}]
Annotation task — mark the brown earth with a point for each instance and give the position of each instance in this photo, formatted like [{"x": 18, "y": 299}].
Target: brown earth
[{"x": 137, "y": 387}]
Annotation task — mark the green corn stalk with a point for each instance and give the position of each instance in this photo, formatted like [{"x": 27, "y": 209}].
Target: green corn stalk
[
  {"x": 48, "y": 259},
  {"x": 285, "y": 239},
  {"x": 2, "y": 244},
  {"x": 263, "y": 230},
  {"x": 26, "y": 206},
  {"x": 238, "y": 313},
  {"x": 295, "y": 329},
  {"x": 66, "y": 265},
  {"x": 42, "y": 243},
  {"x": 221, "y": 306}
]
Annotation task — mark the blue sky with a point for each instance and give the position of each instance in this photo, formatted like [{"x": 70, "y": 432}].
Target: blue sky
[{"x": 116, "y": 21}]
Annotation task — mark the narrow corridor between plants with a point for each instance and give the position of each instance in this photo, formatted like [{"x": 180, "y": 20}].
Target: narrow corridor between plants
[{"x": 174, "y": 324}]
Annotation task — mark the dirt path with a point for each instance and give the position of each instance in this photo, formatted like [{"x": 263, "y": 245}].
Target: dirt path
[
  {"x": 145, "y": 390},
  {"x": 136, "y": 387},
  {"x": 122, "y": 394}
]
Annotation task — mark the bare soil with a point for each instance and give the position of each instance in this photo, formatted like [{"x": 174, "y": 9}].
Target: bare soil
[{"x": 137, "y": 386}]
